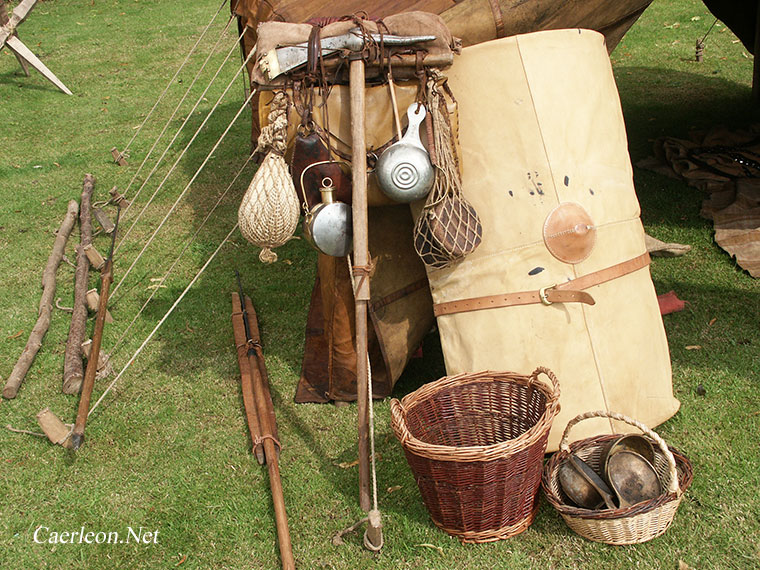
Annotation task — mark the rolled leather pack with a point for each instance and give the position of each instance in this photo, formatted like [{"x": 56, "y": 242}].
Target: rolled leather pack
[{"x": 545, "y": 163}]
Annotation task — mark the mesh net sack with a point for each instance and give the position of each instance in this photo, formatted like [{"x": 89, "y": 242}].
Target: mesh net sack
[
  {"x": 269, "y": 212},
  {"x": 448, "y": 227}
]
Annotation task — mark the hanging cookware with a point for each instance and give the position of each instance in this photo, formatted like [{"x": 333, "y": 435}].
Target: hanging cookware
[
  {"x": 404, "y": 171},
  {"x": 328, "y": 225}
]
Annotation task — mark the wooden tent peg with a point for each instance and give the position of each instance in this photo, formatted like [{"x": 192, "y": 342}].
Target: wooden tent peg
[
  {"x": 117, "y": 198},
  {"x": 103, "y": 219},
  {"x": 118, "y": 157},
  {"x": 93, "y": 302},
  {"x": 55, "y": 430},
  {"x": 96, "y": 259}
]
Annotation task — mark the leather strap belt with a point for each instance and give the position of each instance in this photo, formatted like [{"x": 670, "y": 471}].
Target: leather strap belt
[
  {"x": 498, "y": 18},
  {"x": 567, "y": 292}
]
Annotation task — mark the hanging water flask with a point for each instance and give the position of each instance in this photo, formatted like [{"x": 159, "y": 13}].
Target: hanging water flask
[{"x": 328, "y": 225}]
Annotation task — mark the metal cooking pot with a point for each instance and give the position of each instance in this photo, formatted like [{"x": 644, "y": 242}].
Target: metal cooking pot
[{"x": 404, "y": 171}]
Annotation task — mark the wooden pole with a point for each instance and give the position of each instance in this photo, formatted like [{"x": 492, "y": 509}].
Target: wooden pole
[
  {"x": 265, "y": 413},
  {"x": 246, "y": 386},
  {"x": 73, "y": 369},
  {"x": 77, "y": 435},
  {"x": 106, "y": 278},
  {"x": 361, "y": 263},
  {"x": 4, "y": 19},
  {"x": 46, "y": 304}
]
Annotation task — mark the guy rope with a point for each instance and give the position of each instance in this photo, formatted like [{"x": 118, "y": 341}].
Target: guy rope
[{"x": 120, "y": 155}]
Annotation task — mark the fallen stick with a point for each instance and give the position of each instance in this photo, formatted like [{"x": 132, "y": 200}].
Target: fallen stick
[
  {"x": 46, "y": 304},
  {"x": 73, "y": 369}
]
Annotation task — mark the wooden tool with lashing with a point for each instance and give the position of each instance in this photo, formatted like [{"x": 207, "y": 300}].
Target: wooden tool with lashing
[
  {"x": 264, "y": 416},
  {"x": 106, "y": 278}
]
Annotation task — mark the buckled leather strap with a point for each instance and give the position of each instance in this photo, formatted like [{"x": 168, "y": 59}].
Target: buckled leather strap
[{"x": 567, "y": 292}]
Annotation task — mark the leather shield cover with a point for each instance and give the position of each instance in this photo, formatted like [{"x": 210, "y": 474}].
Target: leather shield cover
[{"x": 541, "y": 124}]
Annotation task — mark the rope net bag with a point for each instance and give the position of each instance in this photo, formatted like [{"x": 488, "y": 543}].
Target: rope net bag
[
  {"x": 269, "y": 212},
  {"x": 448, "y": 227}
]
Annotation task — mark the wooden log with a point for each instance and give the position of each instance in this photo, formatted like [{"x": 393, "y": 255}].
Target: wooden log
[
  {"x": 46, "y": 304},
  {"x": 73, "y": 368}
]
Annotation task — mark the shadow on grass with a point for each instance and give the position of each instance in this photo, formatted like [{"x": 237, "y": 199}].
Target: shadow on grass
[{"x": 663, "y": 102}]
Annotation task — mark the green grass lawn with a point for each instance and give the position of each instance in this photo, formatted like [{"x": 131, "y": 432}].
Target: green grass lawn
[{"x": 168, "y": 450}]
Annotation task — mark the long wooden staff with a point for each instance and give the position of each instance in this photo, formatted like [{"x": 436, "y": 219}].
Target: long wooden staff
[
  {"x": 361, "y": 269},
  {"x": 256, "y": 365},
  {"x": 361, "y": 262},
  {"x": 106, "y": 278}
]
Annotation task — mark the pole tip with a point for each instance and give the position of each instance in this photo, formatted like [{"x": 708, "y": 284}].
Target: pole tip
[
  {"x": 76, "y": 440},
  {"x": 373, "y": 536}
]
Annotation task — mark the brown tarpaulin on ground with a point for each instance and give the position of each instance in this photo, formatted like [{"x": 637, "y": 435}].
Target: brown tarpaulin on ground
[{"x": 726, "y": 166}]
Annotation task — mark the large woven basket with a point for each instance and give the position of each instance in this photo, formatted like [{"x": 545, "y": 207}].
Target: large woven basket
[
  {"x": 631, "y": 525},
  {"x": 475, "y": 443}
]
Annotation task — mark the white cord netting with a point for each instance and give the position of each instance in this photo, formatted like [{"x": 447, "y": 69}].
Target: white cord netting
[{"x": 270, "y": 210}]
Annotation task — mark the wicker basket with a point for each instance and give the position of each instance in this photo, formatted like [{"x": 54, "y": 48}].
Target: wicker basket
[
  {"x": 475, "y": 443},
  {"x": 631, "y": 525}
]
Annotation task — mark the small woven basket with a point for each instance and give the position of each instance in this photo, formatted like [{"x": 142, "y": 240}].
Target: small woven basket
[
  {"x": 475, "y": 443},
  {"x": 631, "y": 525}
]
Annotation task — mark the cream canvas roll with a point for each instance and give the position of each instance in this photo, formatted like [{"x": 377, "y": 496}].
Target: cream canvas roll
[{"x": 541, "y": 132}]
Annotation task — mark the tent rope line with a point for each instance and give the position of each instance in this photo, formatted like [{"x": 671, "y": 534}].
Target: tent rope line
[
  {"x": 161, "y": 322},
  {"x": 197, "y": 172},
  {"x": 174, "y": 166},
  {"x": 168, "y": 122},
  {"x": 182, "y": 126},
  {"x": 158, "y": 285},
  {"x": 168, "y": 85}
]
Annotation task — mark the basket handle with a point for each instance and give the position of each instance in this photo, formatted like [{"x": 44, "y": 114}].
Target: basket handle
[
  {"x": 398, "y": 423},
  {"x": 552, "y": 378},
  {"x": 673, "y": 486}
]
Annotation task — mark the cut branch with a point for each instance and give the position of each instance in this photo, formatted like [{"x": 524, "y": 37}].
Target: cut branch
[
  {"x": 73, "y": 368},
  {"x": 46, "y": 304}
]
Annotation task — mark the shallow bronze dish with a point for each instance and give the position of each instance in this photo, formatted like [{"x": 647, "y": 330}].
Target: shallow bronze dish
[
  {"x": 583, "y": 486},
  {"x": 636, "y": 443},
  {"x": 632, "y": 477}
]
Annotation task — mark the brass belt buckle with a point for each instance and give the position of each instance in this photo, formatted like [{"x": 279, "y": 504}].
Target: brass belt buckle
[{"x": 542, "y": 295}]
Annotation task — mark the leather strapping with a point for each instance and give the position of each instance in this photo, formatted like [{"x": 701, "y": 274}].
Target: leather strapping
[
  {"x": 568, "y": 292},
  {"x": 498, "y": 18}
]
